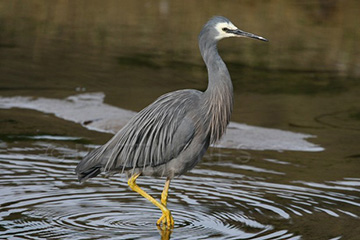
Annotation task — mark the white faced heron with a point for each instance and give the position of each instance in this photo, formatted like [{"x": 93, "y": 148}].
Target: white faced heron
[{"x": 171, "y": 135}]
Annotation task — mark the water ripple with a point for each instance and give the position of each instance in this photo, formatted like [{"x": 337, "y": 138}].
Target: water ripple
[{"x": 41, "y": 199}]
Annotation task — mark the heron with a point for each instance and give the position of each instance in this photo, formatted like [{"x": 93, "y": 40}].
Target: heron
[{"x": 170, "y": 136}]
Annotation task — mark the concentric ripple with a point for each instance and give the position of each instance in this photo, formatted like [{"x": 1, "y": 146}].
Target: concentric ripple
[{"x": 218, "y": 200}]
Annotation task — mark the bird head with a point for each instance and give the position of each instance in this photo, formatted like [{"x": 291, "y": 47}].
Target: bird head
[{"x": 224, "y": 29}]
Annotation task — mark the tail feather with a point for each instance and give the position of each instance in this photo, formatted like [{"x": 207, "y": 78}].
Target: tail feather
[
  {"x": 92, "y": 172},
  {"x": 90, "y": 166}
]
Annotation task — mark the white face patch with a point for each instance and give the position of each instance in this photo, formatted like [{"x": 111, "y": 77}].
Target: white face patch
[{"x": 222, "y": 34}]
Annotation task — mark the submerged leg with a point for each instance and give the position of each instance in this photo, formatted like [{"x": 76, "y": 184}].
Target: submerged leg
[
  {"x": 168, "y": 218},
  {"x": 164, "y": 197}
]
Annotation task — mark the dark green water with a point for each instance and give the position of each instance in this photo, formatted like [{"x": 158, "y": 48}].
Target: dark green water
[{"x": 306, "y": 79}]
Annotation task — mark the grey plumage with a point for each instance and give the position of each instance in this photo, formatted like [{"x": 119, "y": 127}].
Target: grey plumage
[{"x": 171, "y": 135}]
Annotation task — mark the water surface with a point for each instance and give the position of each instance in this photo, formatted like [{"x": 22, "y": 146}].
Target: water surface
[{"x": 306, "y": 80}]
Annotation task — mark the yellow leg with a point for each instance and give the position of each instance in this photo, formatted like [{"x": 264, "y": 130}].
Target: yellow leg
[
  {"x": 164, "y": 197},
  {"x": 164, "y": 194},
  {"x": 168, "y": 218}
]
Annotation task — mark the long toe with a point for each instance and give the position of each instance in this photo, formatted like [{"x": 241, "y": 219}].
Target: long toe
[
  {"x": 170, "y": 221},
  {"x": 161, "y": 220},
  {"x": 166, "y": 219}
]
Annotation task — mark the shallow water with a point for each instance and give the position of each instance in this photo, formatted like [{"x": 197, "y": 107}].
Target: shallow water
[
  {"x": 306, "y": 80},
  {"x": 223, "y": 198}
]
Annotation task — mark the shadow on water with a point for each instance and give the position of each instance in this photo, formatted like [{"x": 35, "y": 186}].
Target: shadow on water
[{"x": 306, "y": 79}]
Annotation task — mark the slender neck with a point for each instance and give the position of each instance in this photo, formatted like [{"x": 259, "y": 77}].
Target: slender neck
[
  {"x": 218, "y": 97},
  {"x": 219, "y": 77}
]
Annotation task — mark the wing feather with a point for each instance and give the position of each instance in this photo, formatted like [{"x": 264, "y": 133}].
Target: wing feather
[{"x": 148, "y": 139}]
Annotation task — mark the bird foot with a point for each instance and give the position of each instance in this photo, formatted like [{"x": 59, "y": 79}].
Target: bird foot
[{"x": 166, "y": 220}]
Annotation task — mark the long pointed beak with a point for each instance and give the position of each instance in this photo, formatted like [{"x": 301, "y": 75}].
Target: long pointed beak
[{"x": 241, "y": 33}]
